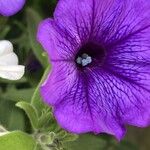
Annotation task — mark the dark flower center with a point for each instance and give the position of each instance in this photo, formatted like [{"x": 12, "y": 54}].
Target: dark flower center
[{"x": 90, "y": 54}]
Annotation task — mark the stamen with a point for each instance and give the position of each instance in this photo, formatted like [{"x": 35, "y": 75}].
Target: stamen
[
  {"x": 84, "y": 60},
  {"x": 79, "y": 60}
]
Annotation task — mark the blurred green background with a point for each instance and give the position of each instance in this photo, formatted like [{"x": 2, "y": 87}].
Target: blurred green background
[{"x": 21, "y": 31}]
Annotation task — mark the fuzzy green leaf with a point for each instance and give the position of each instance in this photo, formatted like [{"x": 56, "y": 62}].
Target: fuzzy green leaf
[
  {"x": 31, "y": 113},
  {"x": 11, "y": 117},
  {"x": 70, "y": 137},
  {"x": 17, "y": 141},
  {"x": 36, "y": 99}
]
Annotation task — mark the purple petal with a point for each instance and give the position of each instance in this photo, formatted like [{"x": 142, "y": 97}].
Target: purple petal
[
  {"x": 55, "y": 82},
  {"x": 57, "y": 41},
  {"x": 10, "y": 7},
  {"x": 101, "y": 98},
  {"x": 80, "y": 104}
]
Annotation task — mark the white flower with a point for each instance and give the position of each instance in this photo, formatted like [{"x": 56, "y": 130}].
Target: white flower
[{"x": 9, "y": 68}]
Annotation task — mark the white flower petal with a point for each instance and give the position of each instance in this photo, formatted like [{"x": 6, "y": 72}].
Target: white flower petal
[
  {"x": 9, "y": 59},
  {"x": 12, "y": 72},
  {"x": 6, "y": 47},
  {"x": 9, "y": 68}
]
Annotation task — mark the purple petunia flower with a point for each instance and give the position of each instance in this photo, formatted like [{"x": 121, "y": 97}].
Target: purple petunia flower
[
  {"x": 100, "y": 55},
  {"x": 10, "y": 7}
]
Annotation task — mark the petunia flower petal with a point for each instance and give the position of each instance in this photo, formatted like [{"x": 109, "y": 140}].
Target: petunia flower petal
[
  {"x": 55, "y": 84},
  {"x": 9, "y": 59},
  {"x": 57, "y": 41},
  {"x": 10, "y": 7},
  {"x": 103, "y": 20},
  {"x": 12, "y": 72},
  {"x": 101, "y": 98},
  {"x": 129, "y": 61},
  {"x": 7, "y": 56},
  {"x": 9, "y": 68},
  {"x": 79, "y": 106},
  {"x": 6, "y": 47}
]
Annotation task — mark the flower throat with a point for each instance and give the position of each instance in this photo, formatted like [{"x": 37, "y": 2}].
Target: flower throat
[{"x": 90, "y": 54}]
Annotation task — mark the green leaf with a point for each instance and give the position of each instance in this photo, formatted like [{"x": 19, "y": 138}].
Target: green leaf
[
  {"x": 33, "y": 20},
  {"x": 31, "y": 113},
  {"x": 17, "y": 141},
  {"x": 70, "y": 137},
  {"x": 66, "y": 136},
  {"x": 36, "y": 100},
  {"x": 45, "y": 119},
  {"x": 11, "y": 117}
]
